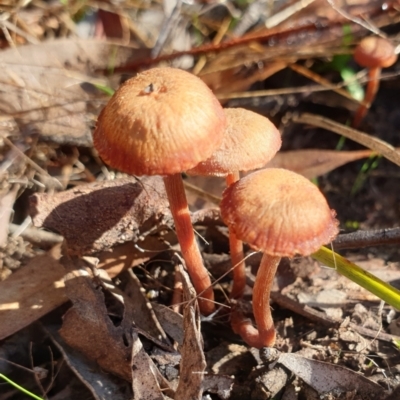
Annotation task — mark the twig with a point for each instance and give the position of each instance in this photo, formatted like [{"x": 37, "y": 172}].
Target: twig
[
  {"x": 36, "y": 167},
  {"x": 359, "y": 239},
  {"x": 37, "y": 236}
]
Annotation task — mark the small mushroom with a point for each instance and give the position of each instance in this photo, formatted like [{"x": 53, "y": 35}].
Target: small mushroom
[
  {"x": 163, "y": 122},
  {"x": 250, "y": 141},
  {"x": 374, "y": 53},
  {"x": 282, "y": 214}
]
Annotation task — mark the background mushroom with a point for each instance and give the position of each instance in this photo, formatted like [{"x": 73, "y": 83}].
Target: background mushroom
[
  {"x": 250, "y": 141},
  {"x": 282, "y": 214},
  {"x": 374, "y": 53},
  {"x": 163, "y": 122}
]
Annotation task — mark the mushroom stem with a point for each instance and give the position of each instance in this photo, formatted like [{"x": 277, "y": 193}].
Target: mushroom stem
[
  {"x": 190, "y": 250},
  {"x": 372, "y": 88},
  {"x": 237, "y": 255},
  {"x": 244, "y": 327},
  {"x": 261, "y": 295},
  {"x": 264, "y": 335}
]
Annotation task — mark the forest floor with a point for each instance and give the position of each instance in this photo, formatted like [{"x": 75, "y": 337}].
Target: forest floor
[{"x": 89, "y": 260}]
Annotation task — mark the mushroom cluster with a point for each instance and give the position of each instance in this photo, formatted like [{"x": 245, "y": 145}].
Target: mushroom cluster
[{"x": 166, "y": 121}]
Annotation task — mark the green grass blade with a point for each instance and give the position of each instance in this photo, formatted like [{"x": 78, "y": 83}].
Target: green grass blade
[
  {"x": 20, "y": 388},
  {"x": 358, "y": 275}
]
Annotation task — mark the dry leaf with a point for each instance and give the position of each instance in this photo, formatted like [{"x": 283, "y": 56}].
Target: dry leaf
[
  {"x": 102, "y": 386},
  {"x": 142, "y": 309},
  {"x": 326, "y": 377},
  {"x": 314, "y": 162},
  {"x": 115, "y": 346},
  {"x": 171, "y": 322},
  {"x": 193, "y": 362},
  {"x": 128, "y": 208},
  {"x": 47, "y": 87},
  {"x": 145, "y": 375},
  {"x": 88, "y": 328},
  {"x": 30, "y": 293}
]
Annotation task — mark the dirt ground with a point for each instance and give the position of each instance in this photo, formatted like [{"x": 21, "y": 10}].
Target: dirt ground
[{"x": 89, "y": 259}]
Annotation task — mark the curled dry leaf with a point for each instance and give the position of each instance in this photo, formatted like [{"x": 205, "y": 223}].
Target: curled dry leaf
[
  {"x": 193, "y": 362},
  {"x": 97, "y": 216},
  {"x": 88, "y": 328},
  {"x": 145, "y": 375}
]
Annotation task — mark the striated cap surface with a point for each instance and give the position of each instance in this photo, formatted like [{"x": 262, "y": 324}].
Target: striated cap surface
[
  {"x": 279, "y": 212},
  {"x": 250, "y": 141},
  {"x": 163, "y": 121},
  {"x": 373, "y": 52}
]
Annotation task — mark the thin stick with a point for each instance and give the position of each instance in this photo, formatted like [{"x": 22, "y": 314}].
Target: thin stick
[{"x": 358, "y": 239}]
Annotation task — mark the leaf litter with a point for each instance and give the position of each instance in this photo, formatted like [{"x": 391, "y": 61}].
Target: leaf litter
[{"x": 51, "y": 92}]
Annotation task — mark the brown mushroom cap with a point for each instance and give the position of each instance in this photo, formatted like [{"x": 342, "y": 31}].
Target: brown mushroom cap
[
  {"x": 250, "y": 141},
  {"x": 279, "y": 212},
  {"x": 375, "y": 52},
  {"x": 163, "y": 121}
]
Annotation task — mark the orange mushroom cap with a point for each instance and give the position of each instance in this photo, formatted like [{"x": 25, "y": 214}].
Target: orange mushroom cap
[
  {"x": 163, "y": 121},
  {"x": 279, "y": 212},
  {"x": 250, "y": 141},
  {"x": 375, "y": 52}
]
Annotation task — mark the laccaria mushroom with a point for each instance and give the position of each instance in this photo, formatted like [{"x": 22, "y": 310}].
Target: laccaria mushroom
[
  {"x": 374, "y": 53},
  {"x": 250, "y": 141},
  {"x": 163, "y": 122},
  {"x": 282, "y": 214}
]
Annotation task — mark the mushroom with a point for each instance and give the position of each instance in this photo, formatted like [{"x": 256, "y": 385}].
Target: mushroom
[
  {"x": 374, "y": 53},
  {"x": 250, "y": 141},
  {"x": 163, "y": 122},
  {"x": 282, "y": 214}
]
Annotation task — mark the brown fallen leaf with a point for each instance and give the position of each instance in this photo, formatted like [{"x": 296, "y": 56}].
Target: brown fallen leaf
[
  {"x": 145, "y": 376},
  {"x": 193, "y": 362},
  {"x": 110, "y": 341},
  {"x": 101, "y": 385},
  {"x": 330, "y": 378},
  {"x": 315, "y": 162},
  {"x": 48, "y": 86},
  {"x": 128, "y": 208},
  {"x": 88, "y": 328},
  {"x": 171, "y": 322},
  {"x": 143, "y": 313},
  {"x": 30, "y": 293}
]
